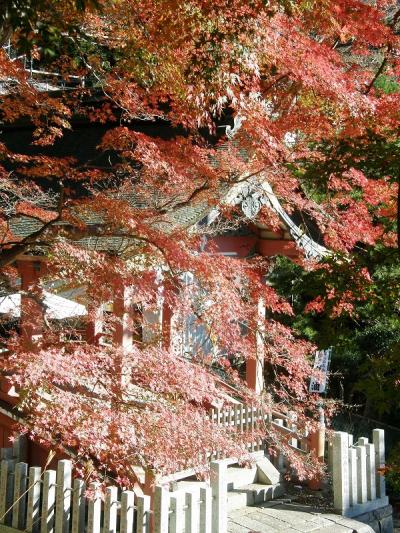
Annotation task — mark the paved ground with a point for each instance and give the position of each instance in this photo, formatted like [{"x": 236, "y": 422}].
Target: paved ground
[{"x": 281, "y": 516}]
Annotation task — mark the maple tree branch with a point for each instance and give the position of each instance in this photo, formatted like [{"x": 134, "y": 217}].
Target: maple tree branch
[
  {"x": 398, "y": 214},
  {"x": 183, "y": 203},
  {"x": 276, "y": 80},
  {"x": 8, "y": 256},
  {"x": 379, "y": 71},
  {"x": 381, "y": 67},
  {"x": 395, "y": 19}
]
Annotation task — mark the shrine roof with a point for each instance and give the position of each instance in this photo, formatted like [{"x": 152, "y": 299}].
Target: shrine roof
[{"x": 250, "y": 196}]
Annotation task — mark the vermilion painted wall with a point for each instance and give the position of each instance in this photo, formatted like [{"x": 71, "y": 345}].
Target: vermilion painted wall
[
  {"x": 5, "y": 431},
  {"x": 243, "y": 246},
  {"x": 268, "y": 248}
]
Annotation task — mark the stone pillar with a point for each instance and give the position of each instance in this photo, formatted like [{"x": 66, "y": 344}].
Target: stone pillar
[
  {"x": 378, "y": 437},
  {"x": 361, "y": 474},
  {"x": 255, "y": 366},
  {"x": 32, "y": 319},
  {"x": 219, "y": 486},
  {"x": 353, "y": 475},
  {"x": 371, "y": 472},
  {"x": 341, "y": 471}
]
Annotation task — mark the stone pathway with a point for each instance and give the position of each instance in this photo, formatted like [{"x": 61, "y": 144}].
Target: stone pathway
[{"x": 283, "y": 516}]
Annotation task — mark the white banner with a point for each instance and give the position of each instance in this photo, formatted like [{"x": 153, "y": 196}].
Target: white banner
[{"x": 321, "y": 363}]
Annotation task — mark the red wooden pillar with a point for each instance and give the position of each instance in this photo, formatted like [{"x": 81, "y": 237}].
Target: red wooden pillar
[
  {"x": 123, "y": 329},
  {"x": 32, "y": 319},
  {"x": 317, "y": 446},
  {"x": 255, "y": 366},
  {"x": 169, "y": 330},
  {"x": 94, "y": 325},
  {"x": 166, "y": 326}
]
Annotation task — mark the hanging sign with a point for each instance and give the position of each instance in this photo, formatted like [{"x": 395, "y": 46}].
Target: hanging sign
[{"x": 321, "y": 363}]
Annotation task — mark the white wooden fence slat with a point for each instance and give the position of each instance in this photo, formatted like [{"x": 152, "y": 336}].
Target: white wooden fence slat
[
  {"x": 361, "y": 474},
  {"x": 255, "y": 441},
  {"x": 241, "y": 419},
  {"x": 142, "y": 514},
  {"x": 371, "y": 481},
  {"x": 7, "y": 453},
  {"x": 378, "y": 436},
  {"x": 305, "y": 443},
  {"x": 33, "y": 511},
  {"x": 177, "y": 515},
  {"x": 205, "y": 509},
  {"x": 353, "y": 476},
  {"x": 192, "y": 501},
  {"x": 252, "y": 428},
  {"x": 341, "y": 471},
  {"x": 47, "y": 521},
  {"x": 63, "y": 496},
  {"x": 6, "y": 466},
  {"x": 19, "y": 496},
  {"x": 110, "y": 510},
  {"x": 10, "y": 491},
  {"x": 280, "y": 460},
  {"x": 127, "y": 511},
  {"x": 78, "y": 507},
  {"x": 3, "y": 490},
  {"x": 293, "y": 427},
  {"x": 94, "y": 509},
  {"x": 20, "y": 448},
  {"x": 330, "y": 454},
  {"x": 246, "y": 417},
  {"x": 218, "y": 481},
  {"x": 252, "y": 418},
  {"x": 161, "y": 507}
]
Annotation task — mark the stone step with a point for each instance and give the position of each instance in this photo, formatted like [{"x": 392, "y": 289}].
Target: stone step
[
  {"x": 253, "y": 494},
  {"x": 190, "y": 486},
  {"x": 238, "y": 477}
]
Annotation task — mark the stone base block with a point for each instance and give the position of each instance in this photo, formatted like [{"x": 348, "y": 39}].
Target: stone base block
[{"x": 380, "y": 520}]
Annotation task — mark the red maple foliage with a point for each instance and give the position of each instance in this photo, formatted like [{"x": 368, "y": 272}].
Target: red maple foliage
[{"x": 289, "y": 72}]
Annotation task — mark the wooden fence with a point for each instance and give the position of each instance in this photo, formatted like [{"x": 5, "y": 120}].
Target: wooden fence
[
  {"x": 358, "y": 484},
  {"x": 245, "y": 418},
  {"x": 51, "y": 501},
  {"x": 44, "y": 79}
]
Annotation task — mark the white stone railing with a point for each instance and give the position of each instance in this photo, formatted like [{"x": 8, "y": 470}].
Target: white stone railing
[
  {"x": 358, "y": 484},
  {"x": 51, "y": 501}
]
